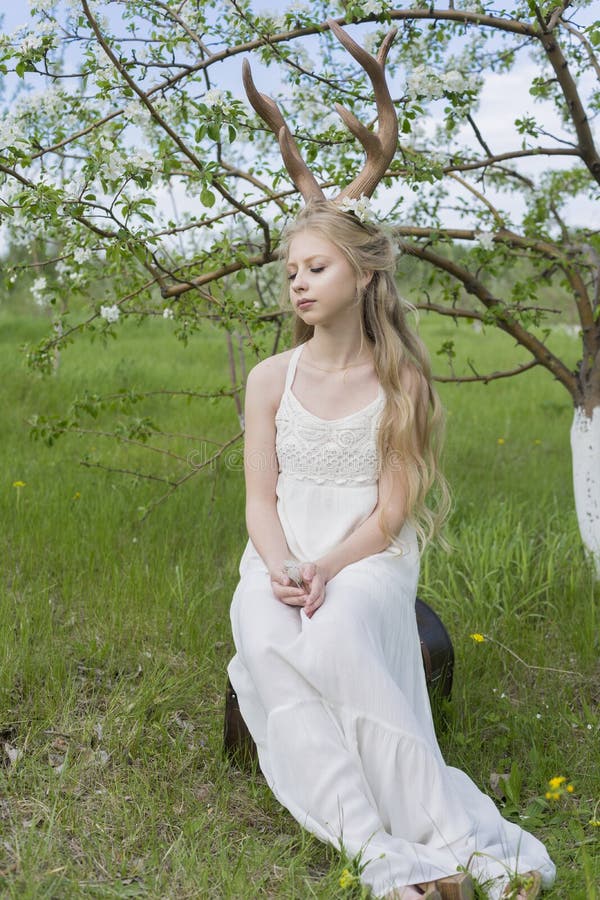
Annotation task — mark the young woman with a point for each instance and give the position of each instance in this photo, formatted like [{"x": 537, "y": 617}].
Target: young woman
[{"x": 341, "y": 449}]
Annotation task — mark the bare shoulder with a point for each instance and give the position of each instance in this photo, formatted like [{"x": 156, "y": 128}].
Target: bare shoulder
[{"x": 267, "y": 378}]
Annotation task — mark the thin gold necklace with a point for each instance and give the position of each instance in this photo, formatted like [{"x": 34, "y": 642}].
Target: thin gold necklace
[{"x": 338, "y": 368}]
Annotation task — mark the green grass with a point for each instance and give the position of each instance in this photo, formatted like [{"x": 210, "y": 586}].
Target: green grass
[{"x": 116, "y": 633}]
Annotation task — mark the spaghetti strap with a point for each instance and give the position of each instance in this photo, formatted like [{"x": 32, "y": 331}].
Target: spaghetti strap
[{"x": 291, "y": 371}]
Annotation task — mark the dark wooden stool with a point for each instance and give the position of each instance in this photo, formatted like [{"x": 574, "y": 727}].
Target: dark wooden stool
[{"x": 438, "y": 662}]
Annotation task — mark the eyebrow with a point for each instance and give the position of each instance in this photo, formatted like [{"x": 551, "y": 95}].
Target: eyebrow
[{"x": 308, "y": 259}]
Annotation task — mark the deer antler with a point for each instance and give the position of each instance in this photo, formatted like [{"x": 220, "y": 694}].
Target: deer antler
[
  {"x": 269, "y": 112},
  {"x": 379, "y": 146}
]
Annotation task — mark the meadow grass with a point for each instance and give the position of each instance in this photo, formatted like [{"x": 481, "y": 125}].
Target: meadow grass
[{"x": 116, "y": 634}]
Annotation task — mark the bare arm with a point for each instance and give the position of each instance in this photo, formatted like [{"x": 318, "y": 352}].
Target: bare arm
[{"x": 261, "y": 471}]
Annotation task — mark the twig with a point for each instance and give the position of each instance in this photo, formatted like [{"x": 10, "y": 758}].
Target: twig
[
  {"x": 493, "y": 376},
  {"x": 529, "y": 665}
]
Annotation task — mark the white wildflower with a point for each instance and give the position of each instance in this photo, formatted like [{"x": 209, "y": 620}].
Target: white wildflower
[
  {"x": 168, "y": 313},
  {"x": 214, "y": 97},
  {"x": 361, "y": 207},
  {"x": 485, "y": 239},
  {"x": 110, "y": 313}
]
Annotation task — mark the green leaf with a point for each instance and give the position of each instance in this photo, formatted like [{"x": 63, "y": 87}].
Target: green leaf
[{"x": 207, "y": 198}]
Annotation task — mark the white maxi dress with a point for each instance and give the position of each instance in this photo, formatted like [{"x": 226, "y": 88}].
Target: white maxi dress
[{"x": 337, "y": 704}]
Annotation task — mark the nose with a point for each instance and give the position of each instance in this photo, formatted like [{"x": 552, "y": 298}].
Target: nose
[{"x": 299, "y": 282}]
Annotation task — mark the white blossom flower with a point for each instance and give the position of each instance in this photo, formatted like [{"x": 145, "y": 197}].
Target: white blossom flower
[
  {"x": 214, "y": 97},
  {"x": 38, "y": 290},
  {"x": 110, "y": 313},
  {"x": 31, "y": 42},
  {"x": 11, "y": 133},
  {"x": 424, "y": 82},
  {"x": 38, "y": 6},
  {"x": 168, "y": 313},
  {"x": 299, "y": 6},
  {"x": 373, "y": 7},
  {"x": 455, "y": 81},
  {"x": 82, "y": 255},
  {"x": 279, "y": 23},
  {"x": 142, "y": 159},
  {"x": 486, "y": 239},
  {"x": 136, "y": 113},
  {"x": 371, "y": 41},
  {"x": 361, "y": 207}
]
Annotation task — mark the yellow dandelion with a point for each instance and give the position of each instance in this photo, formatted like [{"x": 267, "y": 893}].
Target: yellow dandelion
[
  {"x": 570, "y": 788},
  {"x": 501, "y": 441},
  {"x": 557, "y": 781},
  {"x": 19, "y": 484},
  {"x": 477, "y": 637},
  {"x": 347, "y": 879},
  {"x": 76, "y": 495}
]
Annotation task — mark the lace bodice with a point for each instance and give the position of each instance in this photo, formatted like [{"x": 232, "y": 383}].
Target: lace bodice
[{"x": 337, "y": 451}]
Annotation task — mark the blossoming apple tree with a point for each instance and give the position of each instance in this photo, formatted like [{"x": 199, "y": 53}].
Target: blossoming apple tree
[{"x": 129, "y": 157}]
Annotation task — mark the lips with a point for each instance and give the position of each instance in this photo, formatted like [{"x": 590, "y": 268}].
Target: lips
[{"x": 304, "y": 304}]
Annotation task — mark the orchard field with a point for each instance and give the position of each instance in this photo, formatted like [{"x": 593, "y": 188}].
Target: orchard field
[{"x": 116, "y": 633}]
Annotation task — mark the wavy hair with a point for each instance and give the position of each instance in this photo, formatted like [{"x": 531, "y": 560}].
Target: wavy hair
[{"x": 408, "y": 438}]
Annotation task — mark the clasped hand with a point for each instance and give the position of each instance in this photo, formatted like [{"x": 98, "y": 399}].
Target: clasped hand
[{"x": 310, "y": 595}]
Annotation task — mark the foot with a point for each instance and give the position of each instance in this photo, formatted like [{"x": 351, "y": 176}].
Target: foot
[
  {"x": 456, "y": 887},
  {"x": 412, "y": 892},
  {"x": 525, "y": 886}
]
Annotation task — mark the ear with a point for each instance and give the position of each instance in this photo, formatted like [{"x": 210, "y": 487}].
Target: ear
[{"x": 365, "y": 280}]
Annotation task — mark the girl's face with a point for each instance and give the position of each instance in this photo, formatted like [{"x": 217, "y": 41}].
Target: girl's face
[{"x": 323, "y": 286}]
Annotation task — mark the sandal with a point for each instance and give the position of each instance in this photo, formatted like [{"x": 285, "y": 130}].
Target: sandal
[
  {"x": 524, "y": 886},
  {"x": 455, "y": 887}
]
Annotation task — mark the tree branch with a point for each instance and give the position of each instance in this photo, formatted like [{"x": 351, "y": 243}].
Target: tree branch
[
  {"x": 500, "y": 312},
  {"x": 485, "y": 379},
  {"x": 556, "y": 58}
]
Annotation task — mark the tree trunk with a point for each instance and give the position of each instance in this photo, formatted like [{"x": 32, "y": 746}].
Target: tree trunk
[{"x": 585, "y": 448}]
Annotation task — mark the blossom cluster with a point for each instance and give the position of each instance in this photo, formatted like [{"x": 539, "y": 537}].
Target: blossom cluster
[
  {"x": 110, "y": 313},
  {"x": 361, "y": 207},
  {"x": 426, "y": 82}
]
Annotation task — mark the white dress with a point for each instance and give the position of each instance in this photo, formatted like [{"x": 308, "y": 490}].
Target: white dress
[{"x": 338, "y": 704}]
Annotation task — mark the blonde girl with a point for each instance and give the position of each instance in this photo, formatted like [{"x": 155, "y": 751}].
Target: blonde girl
[{"x": 341, "y": 452}]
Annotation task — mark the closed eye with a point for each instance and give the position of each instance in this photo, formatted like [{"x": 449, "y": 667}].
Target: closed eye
[{"x": 315, "y": 269}]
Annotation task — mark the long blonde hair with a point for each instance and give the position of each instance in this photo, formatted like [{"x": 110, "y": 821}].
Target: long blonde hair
[{"x": 405, "y": 438}]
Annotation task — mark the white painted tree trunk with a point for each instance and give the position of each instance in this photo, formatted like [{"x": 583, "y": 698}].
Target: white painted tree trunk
[{"x": 585, "y": 448}]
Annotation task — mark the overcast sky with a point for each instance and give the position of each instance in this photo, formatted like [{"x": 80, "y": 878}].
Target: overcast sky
[{"x": 505, "y": 97}]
